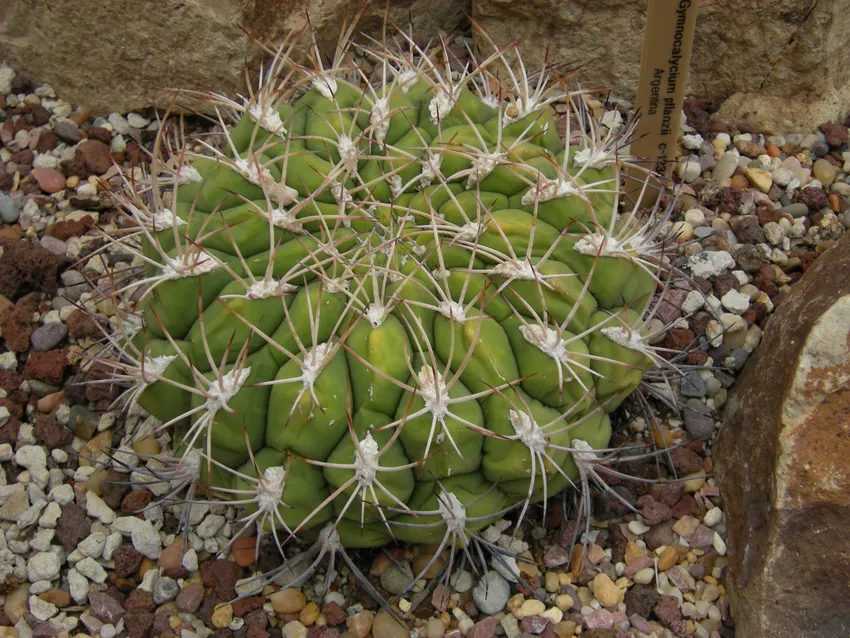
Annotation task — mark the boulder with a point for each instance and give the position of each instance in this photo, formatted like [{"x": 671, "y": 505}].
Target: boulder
[
  {"x": 117, "y": 55},
  {"x": 789, "y": 54},
  {"x": 782, "y": 461}
]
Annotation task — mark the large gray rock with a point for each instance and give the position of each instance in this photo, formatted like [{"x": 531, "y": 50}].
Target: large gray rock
[
  {"x": 784, "y": 64},
  {"x": 782, "y": 461},
  {"x": 113, "y": 56}
]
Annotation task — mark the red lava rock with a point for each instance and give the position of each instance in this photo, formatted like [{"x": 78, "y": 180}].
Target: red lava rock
[
  {"x": 814, "y": 198},
  {"x": 686, "y": 506},
  {"x": 127, "y": 560},
  {"x": 72, "y": 526},
  {"x": 139, "y": 600},
  {"x": 47, "y": 142},
  {"x": 52, "y": 433},
  {"x": 701, "y": 538},
  {"x": 18, "y": 325},
  {"x": 667, "y": 493},
  {"x": 221, "y": 574},
  {"x": 658, "y": 535},
  {"x": 100, "y": 133},
  {"x": 190, "y": 598},
  {"x": 322, "y": 631},
  {"x": 49, "y": 179},
  {"x": 640, "y": 600},
  {"x": 76, "y": 166},
  {"x": 26, "y": 267},
  {"x": 22, "y": 158},
  {"x": 725, "y": 283},
  {"x": 836, "y": 134},
  {"x": 138, "y": 625},
  {"x": 247, "y": 605},
  {"x": 531, "y": 624},
  {"x": 64, "y": 230},
  {"x": 256, "y": 631},
  {"x": 668, "y": 613},
  {"x": 685, "y": 460},
  {"x": 638, "y": 564},
  {"x": 333, "y": 613},
  {"x": 40, "y": 115},
  {"x": 47, "y": 366},
  {"x": 96, "y": 156},
  {"x": 81, "y": 324},
  {"x": 136, "y": 501}
]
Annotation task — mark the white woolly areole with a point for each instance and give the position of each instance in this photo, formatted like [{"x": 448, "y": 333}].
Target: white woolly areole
[
  {"x": 154, "y": 367},
  {"x": 547, "y": 341},
  {"x": 441, "y": 105},
  {"x": 188, "y": 469},
  {"x": 337, "y": 284},
  {"x": 430, "y": 168},
  {"x": 313, "y": 363},
  {"x": 406, "y": 79},
  {"x": 515, "y": 269},
  {"x": 592, "y": 158},
  {"x": 376, "y": 313},
  {"x": 270, "y": 489},
  {"x": 189, "y": 265},
  {"x": 601, "y": 244},
  {"x": 470, "y": 231},
  {"x": 329, "y": 538},
  {"x": 630, "y": 339},
  {"x": 583, "y": 452},
  {"x": 481, "y": 167},
  {"x": 528, "y": 432},
  {"x": 453, "y": 513},
  {"x": 396, "y": 185},
  {"x": 432, "y": 389},
  {"x": 490, "y": 100},
  {"x": 165, "y": 218},
  {"x": 548, "y": 189},
  {"x": 266, "y": 288},
  {"x": 325, "y": 85},
  {"x": 253, "y": 172},
  {"x": 348, "y": 152},
  {"x": 285, "y": 219},
  {"x": 341, "y": 194},
  {"x": 379, "y": 118},
  {"x": 268, "y": 118},
  {"x": 366, "y": 461},
  {"x": 223, "y": 390},
  {"x": 187, "y": 174},
  {"x": 452, "y": 310}
]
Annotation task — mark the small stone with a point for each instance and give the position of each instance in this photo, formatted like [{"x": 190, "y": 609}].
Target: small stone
[
  {"x": 822, "y": 170},
  {"x": 67, "y": 131},
  {"x": 692, "y": 385},
  {"x": 287, "y": 601},
  {"x": 530, "y": 607},
  {"x": 491, "y": 593},
  {"x": 699, "y": 421},
  {"x": 397, "y": 577},
  {"x": 601, "y": 619},
  {"x": 433, "y": 629},
  {"x": 689, "y": 171},
  {"x": 222, "y": 616},
  {"x": 644, "y": 576},
  {"x": 735, "y": 302},
  {"x": 43, "y": 566},
  {"x": 605, "y": 591},
  {"x": 759, "y": 178},
  {"x": 49, "y": 179},
  {"x": 106, "y": 608},
  {"x": 92, "y": 570},
  {"x": 360, "y": 624},
  {"x": 48, "y": 336},
  {"x": 385, "y": 626},
  {"x": 41, "y": 609}
]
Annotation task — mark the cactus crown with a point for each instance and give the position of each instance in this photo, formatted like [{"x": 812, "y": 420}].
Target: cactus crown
[{"x": 388, "y": 300}]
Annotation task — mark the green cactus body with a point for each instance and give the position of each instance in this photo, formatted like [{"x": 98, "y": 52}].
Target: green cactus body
[{"x": 380, "y": 296}]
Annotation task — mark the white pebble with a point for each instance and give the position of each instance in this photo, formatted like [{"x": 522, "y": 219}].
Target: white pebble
[
  {"x": 709, "y": 264},
  {"x": 693, "y": 302},
  {"x": 692, "y": 142},
  {"x": 78, "y": 586},
  {"x": 637, "y": 527},
  {"x": 736, "y": 302},
  {"x": 719, "y": 544},
  {"x": 695, "y": 217},
  {"x": 43, "y": 566},
  {"x": 95, "y": 506},
  {"x": 713, "y": 517},
  {"x": 30, "y": 456},
  {"x": 92, "y": 570},
  {"x": 41, "y": 609},
  {"x": 62, "y": 494}
]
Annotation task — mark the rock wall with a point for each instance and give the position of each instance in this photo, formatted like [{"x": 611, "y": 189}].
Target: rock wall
[
  {"x": 115, "y": 55},
  {"x": 783, "y": 65},
  {"x": 783, "y": 466}
]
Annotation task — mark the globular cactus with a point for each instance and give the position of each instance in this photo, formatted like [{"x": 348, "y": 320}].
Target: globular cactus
[{"x": 388, "y": 305}]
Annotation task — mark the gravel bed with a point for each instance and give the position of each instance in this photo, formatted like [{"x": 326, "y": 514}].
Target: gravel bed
[{"x": 754, "y": 213}]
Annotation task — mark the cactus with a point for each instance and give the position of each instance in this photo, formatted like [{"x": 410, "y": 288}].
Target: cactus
[{"x": 389, "y": 305}]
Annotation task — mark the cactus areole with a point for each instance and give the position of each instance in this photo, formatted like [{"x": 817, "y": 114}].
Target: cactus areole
[{"x": 392, "y": 299}]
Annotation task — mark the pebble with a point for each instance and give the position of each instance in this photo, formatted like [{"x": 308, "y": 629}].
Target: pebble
[
  {"x": 360, "y": 624},
  {"x": 397, "y": 577},
  {"x": 605, "y": 591},
  {"x": 759, "y": 178},
  {"x": 49, "y": 179},
  {"x": 689, "y": 171},
  {"x": 491, "y": 593},
  {"x": 67, "y": 131},
  {"x": 735, "y": 302},
  {"x": 78, "y": 586},
  {"x": 692, "y": 385},
  {"x": 287, "y": 601},
  {"x": 92, "y": 570},
  {"x": 222, "y": 616},
  {"x": 699, "y": 421},
  {"x": 725, "y": 167},
  {"x": 385, "y": 626},
  {"x": 710, "y": 264},
  {"x": 164, "y": 589},
  {"x": 822, "y": 170},
  {"x": 43, "y": 566},
  {"x": 48, "y": 336}
]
